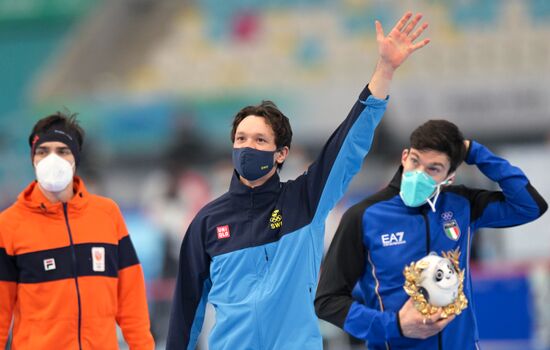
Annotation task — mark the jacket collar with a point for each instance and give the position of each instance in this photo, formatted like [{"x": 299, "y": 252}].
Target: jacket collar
[
  {"x": 395, "y": 182},
  {"x": 270, "y": 188},
  {"x": 33, "y": 198}
]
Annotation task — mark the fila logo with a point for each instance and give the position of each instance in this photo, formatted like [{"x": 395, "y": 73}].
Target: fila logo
[
  {"x": 49, "y": 264},
  {"x": 223, "y": 232},
  {"x": 98, "y": 259},
  {"x": 391, "y": 239}
]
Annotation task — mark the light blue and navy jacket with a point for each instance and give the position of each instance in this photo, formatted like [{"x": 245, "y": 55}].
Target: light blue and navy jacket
[
  {"x": 255, "y": 253},
  {"x": 379, "y": 236}
]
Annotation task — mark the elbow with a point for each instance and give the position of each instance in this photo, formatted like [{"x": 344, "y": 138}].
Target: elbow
[
  {"x": 537, "y": 211},
  {"x": 320, "y": 307},
  {"x": 541, "y": 205},
  {"x": 328, "y": 309},
  {"x": 543, "y": 208},
  {"x": 324, "y": 307}
]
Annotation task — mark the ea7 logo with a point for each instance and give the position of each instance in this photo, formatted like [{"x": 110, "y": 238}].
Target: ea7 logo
[{"x": 391, "y": 239}]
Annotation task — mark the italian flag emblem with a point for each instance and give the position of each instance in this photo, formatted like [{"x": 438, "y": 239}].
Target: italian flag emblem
[{"x": 452, "y": 230}]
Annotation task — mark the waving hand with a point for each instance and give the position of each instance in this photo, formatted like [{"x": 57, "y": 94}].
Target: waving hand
[{"x": 394, "y": 49}]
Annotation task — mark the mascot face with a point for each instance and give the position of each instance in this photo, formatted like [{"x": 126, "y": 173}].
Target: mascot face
[{"x": 439, "y": 283}]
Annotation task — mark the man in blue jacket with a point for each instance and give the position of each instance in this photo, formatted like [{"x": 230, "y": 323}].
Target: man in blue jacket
[
  {"x": 254, "y": 253},
  {"x": 417, "y": 213}
]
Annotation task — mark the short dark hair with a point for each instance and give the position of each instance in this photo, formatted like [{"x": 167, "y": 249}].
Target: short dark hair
[
  {"x": 273, "y": 117},
  {"x": 65, "y": 122},
  {"x": 442, "y": 136}
]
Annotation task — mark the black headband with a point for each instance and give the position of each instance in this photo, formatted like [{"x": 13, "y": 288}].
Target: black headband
[{"x": 59, "y": 136}]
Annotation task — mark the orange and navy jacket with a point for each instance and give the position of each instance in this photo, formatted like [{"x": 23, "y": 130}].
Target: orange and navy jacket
[{"x": 68, "y": 274}]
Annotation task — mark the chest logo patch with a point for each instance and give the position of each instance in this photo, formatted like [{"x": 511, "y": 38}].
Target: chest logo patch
[
  {"x": 450, "y": 226},
  {"x": 98, "y": 259},
  {"x": 49, "y": 264},
  {"x": 391, "y": 239},
  {"x": 223, "y": 232},
  {"x": 451, "y": 229},
  {"x": 276, "y": 220}
]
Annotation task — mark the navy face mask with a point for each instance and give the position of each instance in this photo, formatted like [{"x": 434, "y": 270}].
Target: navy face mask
[{"x": 251, "y": 163}]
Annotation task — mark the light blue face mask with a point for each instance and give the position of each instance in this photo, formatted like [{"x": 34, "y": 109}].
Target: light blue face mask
[{"x": 418, "y": 188}]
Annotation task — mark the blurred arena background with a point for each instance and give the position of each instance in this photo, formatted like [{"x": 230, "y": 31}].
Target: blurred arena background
[{"x": 157, "y": 82}]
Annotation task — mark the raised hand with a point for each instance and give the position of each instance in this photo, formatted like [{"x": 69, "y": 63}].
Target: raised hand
[{"x": 395, "y": 48}]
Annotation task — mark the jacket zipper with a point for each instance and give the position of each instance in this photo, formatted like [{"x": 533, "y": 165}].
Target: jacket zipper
[
  {"x": 75, "y": 273},
  {"x": 251, "y": 220},
  {"x": 425, "y": 216},
  {"x": 428, "y": 249}
]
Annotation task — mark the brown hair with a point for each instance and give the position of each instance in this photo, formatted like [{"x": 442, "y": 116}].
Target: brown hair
[
  {"x": 442, "y": 136},
  {"x": 273, "y": 117}
]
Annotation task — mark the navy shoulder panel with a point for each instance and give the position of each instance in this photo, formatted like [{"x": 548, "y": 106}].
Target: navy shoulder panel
[
  {"x": 127, "y": 255},
  {"x": 385, "y": 194},
  {"x": 479, "y": 198},
  {"x": 8, "y": 269}
]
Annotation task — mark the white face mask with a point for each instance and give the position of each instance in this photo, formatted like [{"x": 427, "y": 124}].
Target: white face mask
[{"x": 54, "y": 173}]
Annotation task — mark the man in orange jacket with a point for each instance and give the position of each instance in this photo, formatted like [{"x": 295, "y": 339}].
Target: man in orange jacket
[{"x": 68, "y": 270}]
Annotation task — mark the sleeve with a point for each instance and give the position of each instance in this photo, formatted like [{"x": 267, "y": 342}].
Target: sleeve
[
  {"x": 132, "y": 314},
  {"x": 517, "y": 203},
  {"x": 327, "y": 178},
  {"x": 8, "y": 290},
  {"x": 342, "y": 268},
  {"x": 191, "y": 293}
]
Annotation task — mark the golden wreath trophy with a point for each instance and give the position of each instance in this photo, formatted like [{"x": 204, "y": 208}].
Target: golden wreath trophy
[{"x": 435, "y": 282}]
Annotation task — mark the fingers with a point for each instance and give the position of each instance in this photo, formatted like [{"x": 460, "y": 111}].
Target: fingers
[
  {"x": 443, "y": 322},
  {"x": 432, "y": 325},
  {"x": 412, "y": 24},
  {"x": 419, "y": 45},
  {"x": 437, "y": 321},
  {"x": 401, "y": 24},
  {"x": 419, "y": 31},
  {"x": 406, "y": 29},
  {"x": 379, "y": 31}
]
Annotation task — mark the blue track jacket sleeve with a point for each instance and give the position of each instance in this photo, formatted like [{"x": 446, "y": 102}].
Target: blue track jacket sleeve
[
  {"x": 328, "y": 176},
  {"x": 516, "y": 204},
  {"x": 192, "y": 287},
  {"x": 343, "y": 266}
]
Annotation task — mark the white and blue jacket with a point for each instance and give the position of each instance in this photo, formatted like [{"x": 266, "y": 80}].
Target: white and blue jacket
[
  {"x": 255, "y": 253},
  {"x": 379, "y": 236}
]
